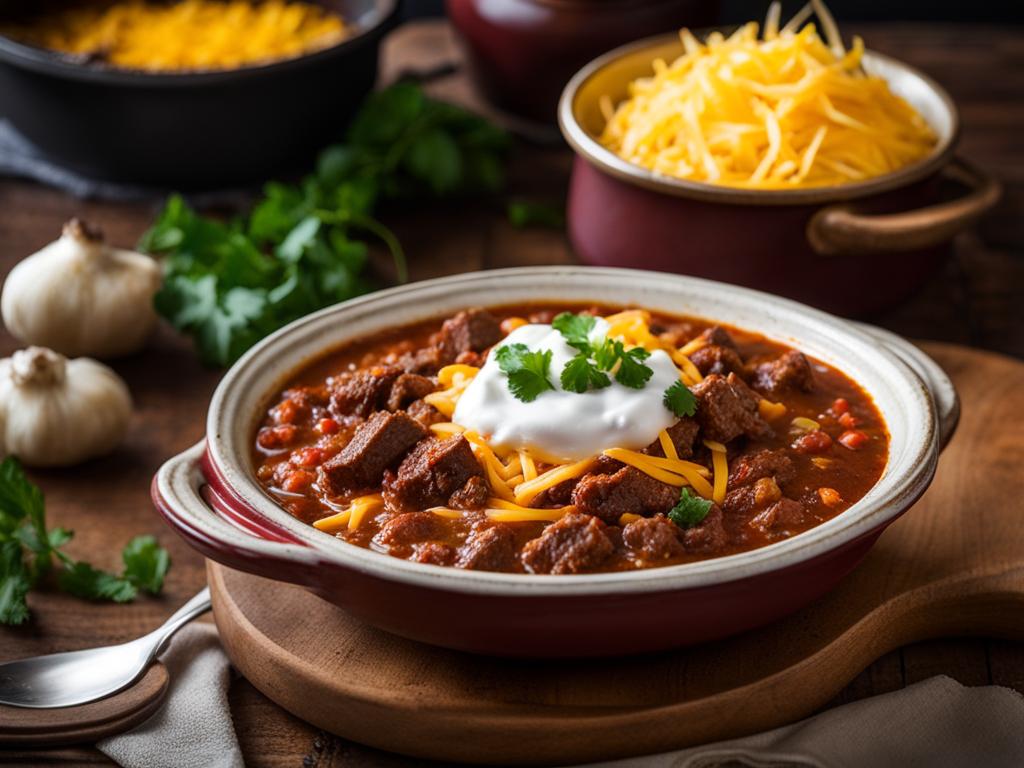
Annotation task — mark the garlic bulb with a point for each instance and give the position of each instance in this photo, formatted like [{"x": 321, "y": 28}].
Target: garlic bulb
[
  {"x": 57, "y": 412},
  {"x": 79, "y": 296}
]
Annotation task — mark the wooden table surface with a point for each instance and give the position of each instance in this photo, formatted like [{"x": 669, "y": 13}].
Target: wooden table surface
[{"x": 978, "y": 300}]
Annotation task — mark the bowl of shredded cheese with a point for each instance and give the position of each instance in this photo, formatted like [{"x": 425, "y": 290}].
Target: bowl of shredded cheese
[
  {"x": 188, "y": 94},
  {"x": 771, "y": 156}
]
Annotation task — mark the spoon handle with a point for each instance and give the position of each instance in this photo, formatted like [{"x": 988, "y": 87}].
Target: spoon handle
[{"x": 196, "y": 606}]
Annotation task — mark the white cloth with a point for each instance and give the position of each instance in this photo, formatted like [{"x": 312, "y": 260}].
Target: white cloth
[
  {"x": 193, "y": 728},
  {"x": 937, "y": 723}
]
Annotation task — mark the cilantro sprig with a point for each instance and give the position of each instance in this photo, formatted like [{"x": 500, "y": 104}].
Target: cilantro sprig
[
  {"x": 29, "y": 552},
  {"x": 680, "y": 400},
  {"x": 589, "y": 368},
  {"x": 689, "y": 510},
  {"x": 528, "y": 372},
  {"x": 304, "y": 246}
]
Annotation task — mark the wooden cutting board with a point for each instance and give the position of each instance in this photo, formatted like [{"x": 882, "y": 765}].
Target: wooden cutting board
[{"x": 953, "y": 565}]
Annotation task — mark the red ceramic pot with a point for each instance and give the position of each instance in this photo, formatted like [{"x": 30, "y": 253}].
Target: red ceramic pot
[
  {"x": 210, "y": 496},
  {"x": 521, "y": 53},
  {"x": 851, "y": 249}
]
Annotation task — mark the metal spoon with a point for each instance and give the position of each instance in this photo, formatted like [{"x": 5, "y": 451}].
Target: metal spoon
[{"x": 78, "y": 677}]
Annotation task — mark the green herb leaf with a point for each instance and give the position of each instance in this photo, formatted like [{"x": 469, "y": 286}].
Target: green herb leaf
[
  {"x": 146, "y": 563},
  {"x": 84, "y": 581},
  {"x": 690, "y": 510},
  {"x": 680, "y": 400},
  {"x": 581, "y": 375},
  {"x": 525, "y": 213},
  {"x": 229, "y": 284},
  {"x": 575, "y": 329},
  {"x": 15, "y": 583},
  {"x": 632, "y": 372},
  {"x": 527, "y": 371}
]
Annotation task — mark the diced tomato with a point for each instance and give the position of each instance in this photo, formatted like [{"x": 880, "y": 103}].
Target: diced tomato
[
  {"x": 271, "y": 438},
  {"x": 848, "y": 420},
  {"x": 307, "y": 457},
  {"x": 840, "y": 406},
  {"x": 286, "y": 412},
  {"x": 327, "y": 426},
  {"x": 853, "y": 439},
  {"x": 814, "y": 441},
  {"x": 295, "y": 482},
  {"x": 830, "y": 497}
]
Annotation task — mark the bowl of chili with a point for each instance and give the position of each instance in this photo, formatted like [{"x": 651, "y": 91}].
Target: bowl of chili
[{"x": 220, "y": 497}]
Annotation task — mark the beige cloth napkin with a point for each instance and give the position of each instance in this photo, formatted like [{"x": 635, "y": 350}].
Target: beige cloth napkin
[
  {"x": 937, "y": 723},
  {"x": 193, "y": 728}
]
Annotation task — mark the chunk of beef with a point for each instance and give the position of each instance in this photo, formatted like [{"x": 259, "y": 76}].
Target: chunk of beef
[
  {"x": 709, "y": 536},
  {"x": 471, "y": 331},
  {"x": 431, "y": 474},
  {"x": 434, "y": 553},
  {"x": 748, "y": 499},
  {"x": 362, "y": 392},
  {"x": 488, "y": 548},
  {"x": 425, "y": 413},
  {"x": 654, "y": 538},
  {"x": 682, "y": 434},
  {"x": 627, "y": 491},
  {"x": 727, "y": 409},
  {"x": 426, "y": 361},
  {"x": 720, "y": 337},
  {"x": 410, "y": 528},
  {"x": 717, "y": 359},
  {"x": 791, "y": 371},
  {"x": 780, "y": 518},
  {"x": 573, "y": 544},
  {"x": 472, "y": 495},
  {"x": 557, "y": 495},
  {"x": 377, "y": 444},
  {"x": 765, "y": 463},
  {"x": 408, "y": 387}
]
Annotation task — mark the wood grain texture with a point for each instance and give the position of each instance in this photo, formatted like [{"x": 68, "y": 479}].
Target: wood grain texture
[
  {"x": 89, "y": 722},
  {"x": 954, "y": 564},
  {"x": 978, "y": 300}
]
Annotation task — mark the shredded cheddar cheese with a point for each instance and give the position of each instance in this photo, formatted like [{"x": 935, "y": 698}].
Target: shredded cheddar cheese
[
  {"x": 186, "y": 35},
  {"x": 720, "y": 462},
  {"x": 785, "y": 110}
]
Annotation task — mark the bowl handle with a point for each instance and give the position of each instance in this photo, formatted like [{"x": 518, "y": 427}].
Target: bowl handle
[
  {"x": 206, "y": 520},
  {"x": 839, "y": 230},
  {"x": 944, "y": 395}
]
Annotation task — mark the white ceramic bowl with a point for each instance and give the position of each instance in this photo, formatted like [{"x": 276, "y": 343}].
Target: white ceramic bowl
[{"x": 210, "y": 494}]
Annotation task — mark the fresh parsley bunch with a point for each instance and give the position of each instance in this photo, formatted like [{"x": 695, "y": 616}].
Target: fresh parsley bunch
[
  {"x": 590, "y": 367},
  {"x": 28, "y": 552},
  {"x": 302, "y": 248}
]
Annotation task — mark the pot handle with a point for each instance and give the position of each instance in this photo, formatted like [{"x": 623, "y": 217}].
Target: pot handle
[
  {"x": 839, "y": 230},
  {"x": 178, "y": 494},
  {"x": 944, "y": 395}
]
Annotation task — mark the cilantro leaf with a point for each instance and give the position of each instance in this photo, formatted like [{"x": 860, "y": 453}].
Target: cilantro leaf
[
  {"x": 580, "y": 375},
  {"x": 527, "y": 371},
  {"x": 27, "y": 549},
  {"x": 575, "y": 329},
  {"x": 632, "y": 372},
  {"x": 229, "y": 284},
  {"x": 680, "y": 400},
  {"x": 82, "y": 580},
  {"x": 690, "y": 510},
  {"x": 15, "y": 583},
  {"x": 146, "y": 563}
]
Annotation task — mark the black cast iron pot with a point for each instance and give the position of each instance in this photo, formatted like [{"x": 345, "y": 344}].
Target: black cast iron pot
[{"x": 198, "y": 129}]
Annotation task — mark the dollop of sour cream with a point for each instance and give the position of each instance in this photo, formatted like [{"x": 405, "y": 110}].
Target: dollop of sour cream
[{"x": 563, "y": 425}]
